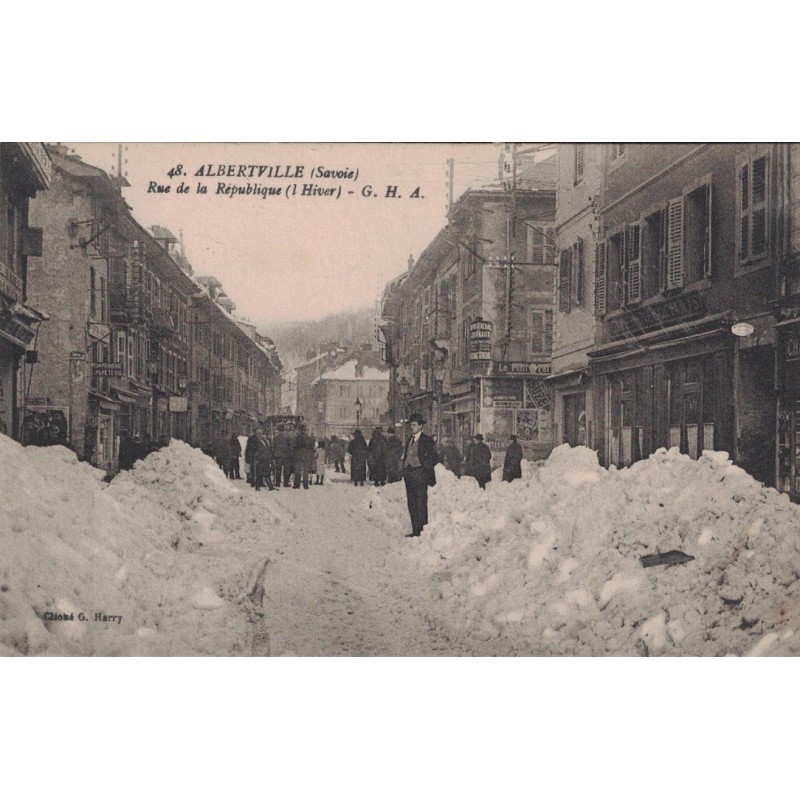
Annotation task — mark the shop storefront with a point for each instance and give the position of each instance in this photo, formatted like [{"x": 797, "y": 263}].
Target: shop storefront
[
  {"x": 675, "y": 393},
  {"x": 788, "y": 408},
  {"x": 521, "y": 406},
  {"x": 572, "y": 408}
]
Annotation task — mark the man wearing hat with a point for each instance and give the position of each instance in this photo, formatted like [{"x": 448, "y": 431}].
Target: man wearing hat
[
  {"x": 482, "y": 461},
  {"x": 419, "y": 459},
  {"x": 512, "y": 466}
]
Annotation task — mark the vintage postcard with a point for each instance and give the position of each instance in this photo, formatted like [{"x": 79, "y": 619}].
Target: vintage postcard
[{"x": 501, "y": 399}]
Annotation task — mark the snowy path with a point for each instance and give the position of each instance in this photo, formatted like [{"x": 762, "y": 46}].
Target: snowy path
[{"x": 336, "y": 585}]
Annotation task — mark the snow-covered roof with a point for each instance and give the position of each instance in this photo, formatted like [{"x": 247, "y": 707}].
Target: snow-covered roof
[{"x": 347, "y": 372}]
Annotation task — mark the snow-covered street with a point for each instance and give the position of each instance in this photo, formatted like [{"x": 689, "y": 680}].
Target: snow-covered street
[
  {"x": 173, "y": 558},
  {"x": 338, "y": 583}
]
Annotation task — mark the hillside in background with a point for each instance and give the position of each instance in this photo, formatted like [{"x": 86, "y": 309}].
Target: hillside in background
[{"x": 296, "y": 340}]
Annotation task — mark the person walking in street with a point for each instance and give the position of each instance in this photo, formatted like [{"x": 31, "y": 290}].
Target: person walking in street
[
  {"x": 282, "y": 455},
  {"x": 222, "y": 452},
  {"x": 481, "y": 461},
  {"x": 512, "y": 465},
  {"x": 377, "y": 457},
  {"x": 303, "y": 457},
  {"x": 358, "y": 458},
  {"x": 394, "y": 458},
  {"x": 258, "y": 455},
  {"x": 419, "y": 460},
  {"x": 337, "y": 453},
  {"x": 262, "y": 461},
  {"x": 469, "y": 458},
  {"x": 235, "y": 451},
  {"x": 320, "y": 455},
  {"x": 249, "y": 447},
  {"x": 127, "y": 451},
  {"x": 451, "y": 457}
]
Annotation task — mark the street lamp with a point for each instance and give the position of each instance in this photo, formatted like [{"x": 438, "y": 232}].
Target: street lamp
[
  {"x": 405, "y": 390},
  {"x": 358, "y": 413}
]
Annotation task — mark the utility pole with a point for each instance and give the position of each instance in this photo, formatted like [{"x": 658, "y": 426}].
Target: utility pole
[{"x": 510, "y": 236}]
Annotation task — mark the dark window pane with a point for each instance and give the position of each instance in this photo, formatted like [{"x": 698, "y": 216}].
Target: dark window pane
[{"x": 759, "y": 180}]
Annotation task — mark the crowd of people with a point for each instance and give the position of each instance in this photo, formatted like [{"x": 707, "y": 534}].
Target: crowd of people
[{"x": 292, "y": 458}]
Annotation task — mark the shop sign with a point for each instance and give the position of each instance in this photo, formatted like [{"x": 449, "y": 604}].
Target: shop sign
[
  {"x": 792, "y": 347},
  {"x": 99, "y": 330},
  {"x": 523, "y": 368},
  {"x": 503, "y": 403},
  {"x": 77, "y": 355},
  {"x": 659, "y": 315},
  {"x": 480, "y": 340},
  {"x": 107, "y": 369}
]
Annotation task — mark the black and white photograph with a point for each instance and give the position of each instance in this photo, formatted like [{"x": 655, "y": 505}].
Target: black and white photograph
[{"x": 487, "y": 399}]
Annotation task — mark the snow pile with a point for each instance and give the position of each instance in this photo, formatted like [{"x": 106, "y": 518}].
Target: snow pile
[
  {"x": 88, "y": 568},
  {"x": 183, "y": 482},
  {"x": 553, "y": 559}
]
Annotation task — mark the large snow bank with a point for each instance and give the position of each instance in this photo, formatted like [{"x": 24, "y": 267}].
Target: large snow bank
[
  {"x": 72, "y": 546},
  {"x": 553, "y": 559}
]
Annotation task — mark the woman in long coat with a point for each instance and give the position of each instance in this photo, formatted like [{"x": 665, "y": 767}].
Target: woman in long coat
[
  {"x": 482, "y": 461},
  {"x": 512, "y": 466},
  {"x": 377, "y": 458},
  {"x": 358, "y": 458}
]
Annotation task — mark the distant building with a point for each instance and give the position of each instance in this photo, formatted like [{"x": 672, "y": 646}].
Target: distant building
[{"x": 352, "y": 395}]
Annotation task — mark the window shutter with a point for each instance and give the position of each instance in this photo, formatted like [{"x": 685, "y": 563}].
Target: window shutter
[
  {"x": 600, "y": 279},
  {"x": 548, "y": 333},
  {"x": 662, "y": 249},
  {"x": 537, "y": 332},
  {"x": 121, "y": 350},
  {"x": 675, "y": 244},
  {"x": 758, "y": 206},
  {"x": 744, "y": 211},
  {"x": 633, "y": 243},
  {"x": 564, "y": 281},
  {"x": 580, "y": 272},
  {"x": 579, "y": 158},
  {"x": 707, "y": 262}
]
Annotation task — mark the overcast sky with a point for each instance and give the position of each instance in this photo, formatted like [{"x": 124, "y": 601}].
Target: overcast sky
[{"x": 298, "y": 258}]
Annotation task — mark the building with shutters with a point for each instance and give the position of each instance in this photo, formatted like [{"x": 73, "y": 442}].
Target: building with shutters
[
  {"x": 689, "y": 245},
  {"x": 114, "y": 356},
  {"x": 25, "y": 170},
  {"x": 468, "y": 329},
  {"x": 580, "y": 181}
]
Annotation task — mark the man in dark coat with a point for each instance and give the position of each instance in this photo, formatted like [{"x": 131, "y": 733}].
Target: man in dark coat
[
  {"x": 481, "y": 461},
  {"x": 358, "y": 458},
  {"x": 336, "y": 453},
  {"x": 419, "y": 460},
  {"x": 394, "y": 457},
  {"x": 377, "y": 457},
  {"x": 282, "y": 455},
  {"x": 222, "y": 451},
  {"x": 303, "y": 457},
  {"x": 258, "y": 453},
  {"x": 451, "y": 457},
  {"x": 234, "y": 451},
  {"x": 512, "y": 466},
  {"x": 127, "y": 450}
]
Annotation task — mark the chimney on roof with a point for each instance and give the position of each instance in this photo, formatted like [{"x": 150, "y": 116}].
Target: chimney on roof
[{"x": 410, "y": 261}]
